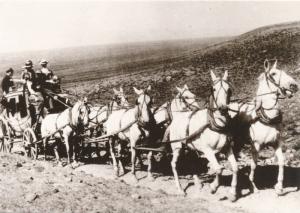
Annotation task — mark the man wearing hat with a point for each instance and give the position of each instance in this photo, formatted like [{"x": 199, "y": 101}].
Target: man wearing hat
[
  {"x": 45, "y": 70},
  {"x": 45, "y": 83},
  {"x": 28, "y": 75},
  {"x": 7, "y": 82}
]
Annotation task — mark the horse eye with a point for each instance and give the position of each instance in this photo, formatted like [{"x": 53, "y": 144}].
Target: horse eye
[{"x": 273, "y": 73}]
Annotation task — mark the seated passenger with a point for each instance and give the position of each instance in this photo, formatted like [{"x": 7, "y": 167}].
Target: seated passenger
[
  {"x": 29, "y": 76},
  {"x": 7, "y": 82}
]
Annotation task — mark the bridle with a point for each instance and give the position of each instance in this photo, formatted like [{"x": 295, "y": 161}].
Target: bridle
[
  {"x": 213, "y": 99},
  {"x": 118, "y": 100},
  {"x": 270, "y": 79},
  {"x": 223, "y": 110},
  {"x": 86, "y": 112},
  {"x": 139, "y": 106},
  {"x": 190, "y": 106}
]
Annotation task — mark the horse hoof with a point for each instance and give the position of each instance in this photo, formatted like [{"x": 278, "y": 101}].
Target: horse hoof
[
  {"x": 150, "y": 178},
  {"x": 279, "y": 190},
  {"x": 181, "y": 193},
  {"x": 116, "y": 174},
  {"x": 254, "y": 190},
  {"x": 199, "y": 186},
  {"x": 59, "y": 164},
  {"x": 74, "y": 165},
  {"x": 232, "y": 197},
  {"x": 134, "y": 179},
  {"x": 213, "y": 189}
]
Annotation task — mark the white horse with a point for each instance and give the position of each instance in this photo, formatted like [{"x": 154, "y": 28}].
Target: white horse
[
  {"x": 205, "y": 131},
  {"x": 262, "y": 117},
  {"x": 184, "y": 101},
  {"x": 65, "y": 124},
  {"x": 130, "y": 125},
  {"x": 98, "y": 115}
]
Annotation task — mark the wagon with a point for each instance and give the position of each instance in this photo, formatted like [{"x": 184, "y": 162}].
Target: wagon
[{"x": 20, "y": 123}]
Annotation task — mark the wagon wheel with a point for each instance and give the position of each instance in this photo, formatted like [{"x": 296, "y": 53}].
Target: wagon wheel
[
  {"x": 29, "y": 140},
  {"x": 5, "y": 136}
]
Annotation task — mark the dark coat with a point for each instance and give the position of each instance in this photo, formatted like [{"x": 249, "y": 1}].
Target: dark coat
[{"x": 7, "y": 83}]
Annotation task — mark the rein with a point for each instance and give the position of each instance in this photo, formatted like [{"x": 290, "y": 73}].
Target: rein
[
  {"x": 212, "y": 124},
  {"x": 190, "y": 106}
]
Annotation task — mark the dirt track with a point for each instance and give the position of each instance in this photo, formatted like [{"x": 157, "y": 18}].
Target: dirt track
[{"x": 28, "y": 186}]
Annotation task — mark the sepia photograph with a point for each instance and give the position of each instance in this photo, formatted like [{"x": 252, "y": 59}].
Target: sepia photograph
[{"x": 149, "y": 106}]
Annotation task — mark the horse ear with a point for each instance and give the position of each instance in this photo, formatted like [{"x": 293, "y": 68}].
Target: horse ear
[
  {"x": 148, "y": 88},
  {"x": 185, "y": 87},
  {"x": 179, "y": 89},
  {"x": 85, "y": 100},
  {"x": 137, "y": 91},
  {"x": 213, "y": 76},
  {"x": 225, "y": 77},
  {"x": 121, "y": 89},
  {"x": 266, "y": 65},
  {"x": 275, "y": 64},
  {"x": 261, "y": 77},
  {"x": 115, "y": 91}
]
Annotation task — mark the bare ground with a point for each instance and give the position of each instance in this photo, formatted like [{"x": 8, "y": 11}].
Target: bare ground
[{"x": 38, "y": 186}]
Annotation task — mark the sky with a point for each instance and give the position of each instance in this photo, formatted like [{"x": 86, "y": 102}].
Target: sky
[{"x": 37, "y": 25}]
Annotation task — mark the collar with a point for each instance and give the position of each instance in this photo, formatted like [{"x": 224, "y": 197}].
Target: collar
[
  {"x": 213, "y": 124},
  {"x": 265, "y": 119}
]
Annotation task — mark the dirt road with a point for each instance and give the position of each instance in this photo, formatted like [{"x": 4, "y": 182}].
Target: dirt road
[{"x": 37, "y": 186}]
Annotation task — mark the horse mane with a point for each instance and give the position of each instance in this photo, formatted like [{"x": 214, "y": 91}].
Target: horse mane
[{"x": 75, "y": 113}]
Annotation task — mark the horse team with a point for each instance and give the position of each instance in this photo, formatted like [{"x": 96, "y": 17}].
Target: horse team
[{"x": 183, "y": 123}]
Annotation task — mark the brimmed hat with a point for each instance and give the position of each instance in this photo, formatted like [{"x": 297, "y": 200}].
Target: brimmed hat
[
  {"x": 43, "y": 62},
  {"x": 10, "y": 70},
  {"x": 28, "y": 64}
]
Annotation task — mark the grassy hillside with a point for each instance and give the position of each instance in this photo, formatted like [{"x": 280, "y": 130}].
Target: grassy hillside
[
  {"x": 243, "y": 56},
  {"x": 81, "y": 64}
]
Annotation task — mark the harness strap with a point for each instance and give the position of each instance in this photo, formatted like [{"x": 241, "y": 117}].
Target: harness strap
[
  {"x": 120, "y": 123},
  {"x": 265, "y": 119},
  {"x": 113, "y": 133},
  {"x": 213, "y": 124},
  {"x": 189, "y": 121},
  {"x": 190, "y": 137},
  {"x": 71, "y": 120},
  {"x": 169, "y": 112}
]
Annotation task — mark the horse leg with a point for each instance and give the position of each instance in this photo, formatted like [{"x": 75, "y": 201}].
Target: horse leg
[
  {"x": 55, "y": 148},
  {"x": 112, "y": 153},
  {"x": 211, "y": 157},
  {"x": 254, "y": 150},
  {"x": 149, "y": 158},
  {"x": 197, "y": 182},
  {"x": 176, "y": 154},
  {"x": 45, "y": 144},
  {"x": 139, "y": 161},
  {"x": 280, "y": 157},
  {"x": 234, "y": 167},
  {"x": 120, "y": 159},
  {"x": 66, "y": 138},
  {"x": 74, "y": 146},
  {"x": 133, "y": 160}
]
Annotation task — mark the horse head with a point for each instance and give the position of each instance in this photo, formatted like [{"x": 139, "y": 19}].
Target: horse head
[
  {"x": 185, "y": 99},
  {"x": 275, "y": 80},
  {"x": 80, "y": 113},
  {"x": 120, "y": 98},
  {"x": 220, "y": 92},
  {"x": 143, "y": 106}
]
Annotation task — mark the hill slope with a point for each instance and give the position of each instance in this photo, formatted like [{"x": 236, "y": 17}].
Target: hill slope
[{"x": 242, "y": 56}]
